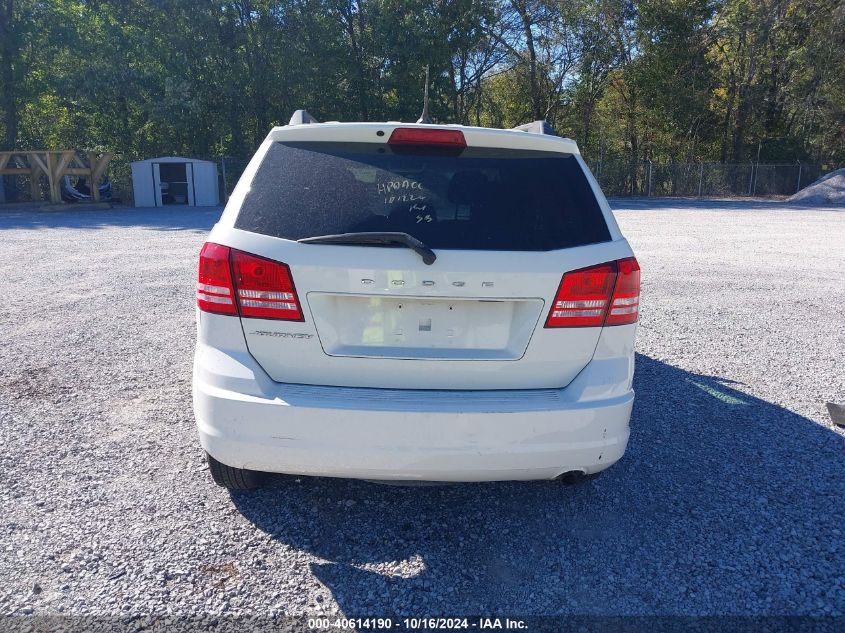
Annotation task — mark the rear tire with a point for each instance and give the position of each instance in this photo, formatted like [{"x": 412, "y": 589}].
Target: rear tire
[{"x": 234, "y": 478}]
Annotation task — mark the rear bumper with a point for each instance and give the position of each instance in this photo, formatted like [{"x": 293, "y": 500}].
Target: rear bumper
[
  {"x": 246, "y": 420},
  {"x": 276, "y": 436}
]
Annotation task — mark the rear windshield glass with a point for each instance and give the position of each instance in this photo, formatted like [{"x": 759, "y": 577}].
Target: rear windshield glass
[{"x": 481, "y": 199}]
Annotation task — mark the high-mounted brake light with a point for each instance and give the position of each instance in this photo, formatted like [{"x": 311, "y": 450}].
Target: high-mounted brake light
[
  {"x": 606, "y": 294},
  {"x": 214, "y": 280},
  {"x": 230, "y": 280},
  {"x": 426, "y": 136}
]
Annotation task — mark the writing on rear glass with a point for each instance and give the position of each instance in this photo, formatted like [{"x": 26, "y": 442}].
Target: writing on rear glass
[
  {"x": 401, "y": 190},
  {"x": 420, "y": 210}
]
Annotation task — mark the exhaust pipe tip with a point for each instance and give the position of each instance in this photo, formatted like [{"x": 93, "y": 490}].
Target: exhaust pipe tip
[{"x": 572, "y": 477}]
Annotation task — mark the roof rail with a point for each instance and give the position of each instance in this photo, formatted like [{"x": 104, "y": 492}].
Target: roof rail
[
  {"x": 301, "y": 117},
  {"x": 537, "y": 127}
]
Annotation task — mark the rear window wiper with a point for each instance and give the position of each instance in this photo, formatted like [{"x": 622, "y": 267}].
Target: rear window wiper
[{"x": 366, "y": 237}]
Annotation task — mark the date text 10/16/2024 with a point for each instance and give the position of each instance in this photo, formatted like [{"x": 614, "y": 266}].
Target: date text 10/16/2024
[{"x": 418, "y": 624}]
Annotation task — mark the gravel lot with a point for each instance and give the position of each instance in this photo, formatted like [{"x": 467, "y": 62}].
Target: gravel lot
[{"x": 730, "y": 500}]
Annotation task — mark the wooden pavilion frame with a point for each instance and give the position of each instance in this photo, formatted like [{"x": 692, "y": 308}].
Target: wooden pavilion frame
[{"x": 55, "y": 165}]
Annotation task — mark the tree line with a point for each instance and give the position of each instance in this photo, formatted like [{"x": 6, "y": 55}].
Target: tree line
[{"x": 680, "y": 80}]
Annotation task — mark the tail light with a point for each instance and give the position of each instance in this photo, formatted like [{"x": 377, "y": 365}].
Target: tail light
[
  {"x": 606, "y": 294},
  {"x": 215, "y": 292},
  {"x": 625, "y": 306},
  {"x": 265, "y": 288},
  {"x": 230, "y": 281}
]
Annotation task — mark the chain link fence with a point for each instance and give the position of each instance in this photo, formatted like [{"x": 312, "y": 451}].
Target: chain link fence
[
  {"x": 616, "y": 177},
  {"x": 711, "y": 180},
  {"x": 647, "y": 178},
  {"x": 229, "y": 170}
]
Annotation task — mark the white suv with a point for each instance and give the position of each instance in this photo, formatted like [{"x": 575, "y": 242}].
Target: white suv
[{"x": 397, "y": 301}]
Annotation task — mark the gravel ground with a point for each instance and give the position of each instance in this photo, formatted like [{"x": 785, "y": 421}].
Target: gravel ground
[{"x": 730, "y": 500}]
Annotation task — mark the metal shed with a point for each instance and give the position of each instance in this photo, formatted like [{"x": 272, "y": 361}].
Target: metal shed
[{"x": 175, "y": 180}]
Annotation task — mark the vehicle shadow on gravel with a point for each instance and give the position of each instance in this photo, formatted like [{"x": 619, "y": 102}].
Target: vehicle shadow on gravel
[
  {"x": 163, "y": 219},
  {"x": 724, "y": 503}
]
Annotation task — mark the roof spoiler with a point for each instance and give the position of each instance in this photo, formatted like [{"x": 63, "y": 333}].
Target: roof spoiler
[
  {"x": 301, "y": 117},
  {"x": 537, "y": 127}
]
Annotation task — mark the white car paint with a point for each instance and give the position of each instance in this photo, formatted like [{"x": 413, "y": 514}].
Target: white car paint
[{"x": 490, "y": 395}]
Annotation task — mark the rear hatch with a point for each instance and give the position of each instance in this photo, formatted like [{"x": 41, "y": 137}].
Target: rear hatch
[{"x": 504, "y": 224}]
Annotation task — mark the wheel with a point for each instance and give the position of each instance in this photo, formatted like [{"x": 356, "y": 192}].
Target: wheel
[{"x": 234, "y": 478}]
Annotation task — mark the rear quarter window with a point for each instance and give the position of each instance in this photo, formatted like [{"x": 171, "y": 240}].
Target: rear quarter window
[{"x": 481, "y": 199}]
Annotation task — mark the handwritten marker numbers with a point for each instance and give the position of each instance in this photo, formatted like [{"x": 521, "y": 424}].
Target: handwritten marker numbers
[{"x": 400, "y": 191}]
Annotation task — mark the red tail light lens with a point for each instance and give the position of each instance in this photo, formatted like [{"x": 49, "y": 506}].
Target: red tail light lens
[
  {"x": 261, "y": 287},
  {"x": 214, "y": 281},
  {"x": 606, "y": 294},
  {"x": 625, "y": 306},
  {"x": 423, "y": 136},
  {"x": 265, "y": 288},
  {"x": 583, "y": 296}
]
